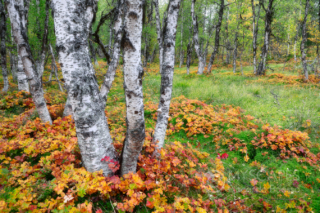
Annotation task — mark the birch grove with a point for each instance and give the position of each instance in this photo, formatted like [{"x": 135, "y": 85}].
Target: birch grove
[{"x": 96, "y": 42}]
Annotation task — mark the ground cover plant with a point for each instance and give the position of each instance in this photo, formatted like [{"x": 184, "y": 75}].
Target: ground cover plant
[{"x": 218, "y": 156}]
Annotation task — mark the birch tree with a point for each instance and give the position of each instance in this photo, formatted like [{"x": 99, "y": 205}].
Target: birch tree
[
  {"x": 201, "y": 63},
  {"x": 109, "y": 77},
  {"x": 217, "y": 38},
  {"x": 303, "y": 42},
  {"x": 133, "y": 72},
  {"x": 255, "y": 30},
  {"x": 16, "y": 11},
  {"x": 169, "y": 36},
  {"x": 3, "y": 50},
  {"x": 44, "y": 41},
  {"x": 159, "y": 32},
  {"x": 268, "y": 20},
  {"x": 72, "y": 20}
]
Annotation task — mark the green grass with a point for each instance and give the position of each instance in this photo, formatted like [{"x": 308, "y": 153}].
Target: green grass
[{"x": 293, "y": 106}]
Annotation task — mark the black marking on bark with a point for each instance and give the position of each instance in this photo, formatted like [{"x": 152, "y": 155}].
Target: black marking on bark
[
  {"x": 133, "y": 15},
  {"x": 126, "y": 43},
  {"x": 87, "y": 134},
  {"x": 42, "y": 105},
  {"x": 60, "y": 48}
]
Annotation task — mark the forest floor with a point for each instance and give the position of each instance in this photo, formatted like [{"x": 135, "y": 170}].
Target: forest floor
[{"x": 258, "y": 137}]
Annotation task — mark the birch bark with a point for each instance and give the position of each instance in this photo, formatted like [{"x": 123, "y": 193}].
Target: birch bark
[
  {"x": 44, "y": 40},
  {"x": 181, "y": 42},
  {"x": 159, "y": 33},
  {"x": 303, "y": 42},
  {"x": 109, "y": 77},
  {"x": 217, "y": 38},
  {"x": 133, "y": 72},
  {"x": 169, "y": 35},
  {"x": 255, "y": 29},
  {"x": 17, "y": 18},
  {"x": 21, "y": 76},
  {"x": 201, "y": 64},
  {"x": 3, "y": 50},
  {"x": 72, "y": 20},
  {"x": 269, "y": 16},
  {"x": 228, "y": 41}
]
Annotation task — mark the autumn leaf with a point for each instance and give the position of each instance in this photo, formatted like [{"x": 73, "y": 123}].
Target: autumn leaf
[
  {"x": 176, "y": 161},
  {"x": 254, "y": 182},
  {"x": 266, "y": 186},
  {"x": 287, "y": 194}
]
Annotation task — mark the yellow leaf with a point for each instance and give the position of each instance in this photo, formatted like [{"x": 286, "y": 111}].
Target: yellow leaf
[
  {"x": 266, "y": 186},
  {"x": 287, "y": 194}
]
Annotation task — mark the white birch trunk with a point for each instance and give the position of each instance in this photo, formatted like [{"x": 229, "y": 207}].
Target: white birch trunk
[
  {"x": 109, "y": 77},
  {"x": 72, "y": 20},
  {"x": 3, "y": 50},
  {"x": 159, "y": 33},
  {"x": 21, "y": 76},
  {"x": 217, "y": 38},
  {"x": 181, "y": 42},
  {"x": 269, "y": 16},
  {"x": 255, "y": 29},
  {"x": 201, "y": 59},
  {"x": 303, "y": 42},
  {"x": 133, "y": 72},
  {"x": 16, "y": 11},
  {"x": 167, "y": 72}
]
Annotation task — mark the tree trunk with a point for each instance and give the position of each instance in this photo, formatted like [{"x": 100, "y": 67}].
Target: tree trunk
[
  {"x": 303, "y": 42},
  {"x": 133, "y": 73},
  {"x": 109, "y": 77},
  {"x": 13, "y": 66},
  {"x": 87, "y": 106},
  {"x": 159, "y": 33},
  {"x": 269, "y": 16},
  {"x": 21, "y": 76},
  {"x": 93, "y": 53},
  {"x": 189, "y": 53},
  {"x": 201, "y": 63},
  {"x": 153, "y": 54},
  {"x": 227, "y": 38},
  {"x": 3, "y": 50},
  {"x": 18, "y": 20},
  {"x": 55, "y": 68},
  {"x": 44, "y": 42},
  {"x": 235, "y": 51},
  {"x": 255, "y": 30},
  {"x": 235, "y": 48},
  {"x": 167, "y": 72},
  {"x": 217, "y": 38},
  {"x": 181, "y": 42},
  {"x": 110, "y": 41}
]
